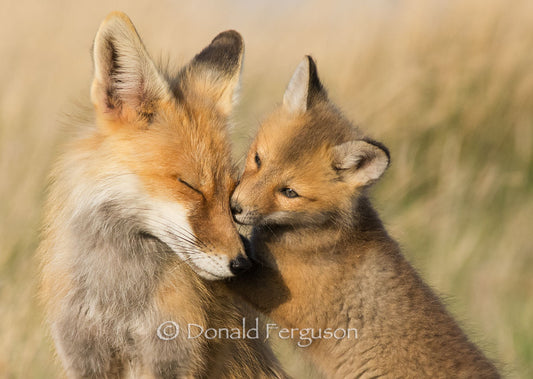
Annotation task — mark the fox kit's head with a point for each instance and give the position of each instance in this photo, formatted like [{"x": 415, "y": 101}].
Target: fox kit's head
[
  {"x": 307, "y": 163},
  {"x": 162, "y": 144}
]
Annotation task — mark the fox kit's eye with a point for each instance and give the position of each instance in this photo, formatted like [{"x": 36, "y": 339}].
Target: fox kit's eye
[
  {"x": 190, "y": 186},
  {"x": 289, "y": 192},
  {"x": 257, "y": 160}
]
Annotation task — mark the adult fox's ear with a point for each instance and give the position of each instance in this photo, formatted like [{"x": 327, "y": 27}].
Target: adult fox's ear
[
  {"x": 304, "y": 88},
  {"x": 215, "y": 72},
  {"x": 126, "y": 82},
  {"x": 360, "y": 162}
]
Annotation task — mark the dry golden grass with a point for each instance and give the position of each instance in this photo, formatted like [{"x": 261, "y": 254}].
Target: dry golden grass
[{"x": 446, "y": 85}]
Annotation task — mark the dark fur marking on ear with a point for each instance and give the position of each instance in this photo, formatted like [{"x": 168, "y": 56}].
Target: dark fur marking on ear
[
  {"x": 112, "y": 100},
  {"x": 224, "y": 52},
  {"x": 315, "y": 90},
  {"x": 379, "y": 145},
  {"x": 114, "y": 56}
]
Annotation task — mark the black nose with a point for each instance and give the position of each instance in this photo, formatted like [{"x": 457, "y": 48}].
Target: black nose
[
  {"x": 236, "y": 209},
  {"x": 239, "y": 265}
]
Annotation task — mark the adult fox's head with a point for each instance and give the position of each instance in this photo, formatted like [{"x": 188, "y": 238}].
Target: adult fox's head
[
  {"x": 161, "y": 144},
  {"x": 307, "y": 163}
]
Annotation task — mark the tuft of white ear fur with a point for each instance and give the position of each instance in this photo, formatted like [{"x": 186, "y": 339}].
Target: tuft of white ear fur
[
  {"x": 360, "y": 162},
  {"x": 124, "y": 74},
  {"x": 296, "y": 94}
]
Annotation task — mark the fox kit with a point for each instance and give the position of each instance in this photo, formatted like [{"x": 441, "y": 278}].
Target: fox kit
[
  {"x": 138, "y": 223},
  {"x": 327, "y": 261}
]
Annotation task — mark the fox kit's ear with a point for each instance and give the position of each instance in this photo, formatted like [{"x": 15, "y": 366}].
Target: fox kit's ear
[
  {"x": 304, "y": 88},
  {"x": 360, "y": 162},
  {"x": 126, "y": 82},
  {"x": 215, "y": 72}
]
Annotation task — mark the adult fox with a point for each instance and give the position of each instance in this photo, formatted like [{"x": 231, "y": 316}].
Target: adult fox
[
  {"x": 138, "y": 223},
  {"x": 326, "y": 260}
]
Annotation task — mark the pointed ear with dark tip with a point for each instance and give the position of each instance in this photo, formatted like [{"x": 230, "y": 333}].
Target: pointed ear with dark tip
[
  {"x": 360, "y": 162},
  {"x": 126, "y": 82},
  {"x": 215, "y": 72},
  {"x": 304, "y": 88}
]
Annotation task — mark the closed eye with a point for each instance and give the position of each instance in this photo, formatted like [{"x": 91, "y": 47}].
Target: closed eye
[{"x": 191, "y": 187}]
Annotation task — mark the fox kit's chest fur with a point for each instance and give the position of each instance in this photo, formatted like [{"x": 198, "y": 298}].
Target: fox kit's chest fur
[
  {"x": 138, "y": 224},
  {"x": 326, "y": 260}
]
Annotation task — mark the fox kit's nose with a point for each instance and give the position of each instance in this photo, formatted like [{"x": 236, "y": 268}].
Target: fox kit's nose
[{"x": 239, "y": 265}]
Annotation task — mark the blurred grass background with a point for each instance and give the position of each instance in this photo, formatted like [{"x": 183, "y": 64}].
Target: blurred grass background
[{"x": 446, "y": 85}]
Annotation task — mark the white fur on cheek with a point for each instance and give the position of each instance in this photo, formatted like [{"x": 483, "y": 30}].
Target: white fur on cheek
[
  {"x": 211, "y": 266},
  {"x": 168, "y": 222}
]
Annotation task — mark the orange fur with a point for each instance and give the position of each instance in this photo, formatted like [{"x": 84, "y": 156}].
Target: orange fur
[
  {"x": 138, "y": 223},
  {"x": 325, "y": 259}
]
